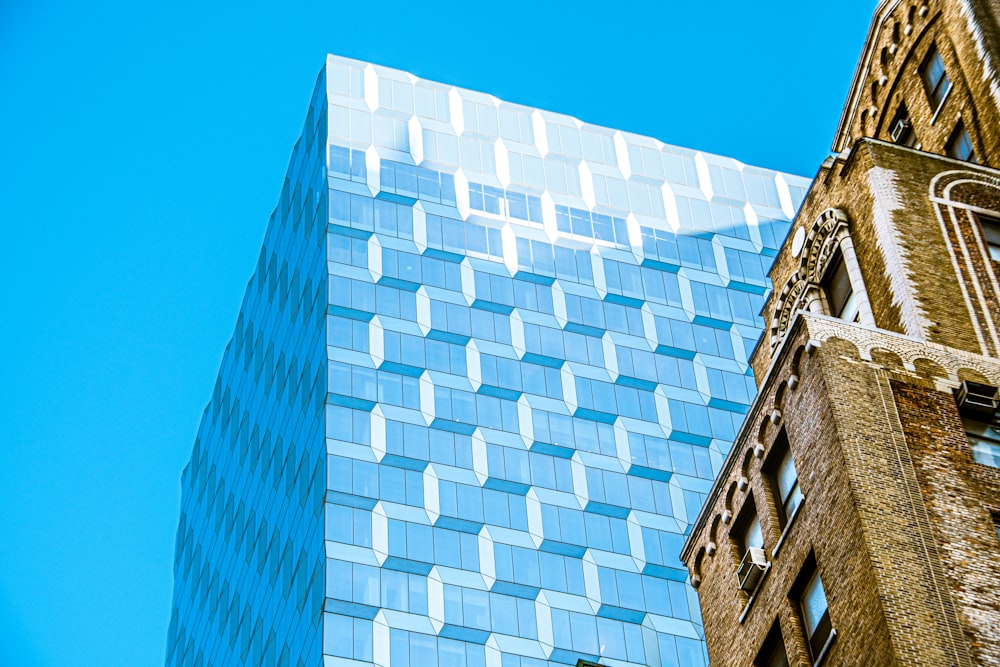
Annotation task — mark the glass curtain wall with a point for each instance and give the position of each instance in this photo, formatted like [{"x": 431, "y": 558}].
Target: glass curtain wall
[
  {"x": 537, "y": 336},
  {"x": 484, "y": 374}
]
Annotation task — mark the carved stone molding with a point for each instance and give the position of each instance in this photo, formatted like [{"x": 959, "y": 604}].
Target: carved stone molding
[
  {"x": 821, "y": 243},
  {"x": 790, "y": 300},
  {"x": 909, "y": 350}
]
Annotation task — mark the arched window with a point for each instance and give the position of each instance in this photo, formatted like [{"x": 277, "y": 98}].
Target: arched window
[{"x": 840, "y": 296}]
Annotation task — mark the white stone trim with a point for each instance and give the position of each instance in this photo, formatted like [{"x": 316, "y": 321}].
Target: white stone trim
[
  {"x": 989, "y": 71},
  {"x": 941, "y": 188},
  {"x": 890, "y": 243},
  {"x": 850, "y": 258}
]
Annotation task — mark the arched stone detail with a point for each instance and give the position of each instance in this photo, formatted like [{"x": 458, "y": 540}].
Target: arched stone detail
[
  {"x": 957, "y": 195},
  {"x": 713, "y": 534},
  {"x": 829, "y": 232},
  {"x": 696, "y": 576},
  {"x": 959, "y": 185},
  {"x": 779, "y": 395},
  {"x": 966, "y": 374},
  {"x": 730, "y": 497},
  {"x": 796, "y": 365},
  {"x": 790, "y": 301},
  {"x": 847, "y": 347},
  {"x": 822, "y": 241},
  {"x": 747, "y": 460},
  {"x": 927, "y": 367},
  {"x": 761, "y": 445},
  {"x": 887, "y": 358},
  {"x": 908, "y": 349}
]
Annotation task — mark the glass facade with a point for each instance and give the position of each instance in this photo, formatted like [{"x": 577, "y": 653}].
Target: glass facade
[{"x": 477, "y": 433}]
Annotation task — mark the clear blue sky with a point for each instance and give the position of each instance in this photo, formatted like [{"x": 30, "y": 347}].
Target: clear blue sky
[{"x": 142, "y": 147}]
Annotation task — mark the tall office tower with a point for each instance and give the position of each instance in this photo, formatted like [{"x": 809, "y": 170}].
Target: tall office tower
[
  {"x": 857, "y": 519},
  {"x": 488, "y": 365}
]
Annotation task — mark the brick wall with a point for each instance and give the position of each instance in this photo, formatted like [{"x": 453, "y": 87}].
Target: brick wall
[
  {"x": 961, "y": 496},
  {"x": 895, "y": 515},
  {"x": 903, "y": 34},
  {"x": 920, "y": 282}
]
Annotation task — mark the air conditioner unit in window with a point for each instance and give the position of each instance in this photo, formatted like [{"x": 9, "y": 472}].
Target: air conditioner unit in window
[
  {"x": 752, "y": 569},
  {"x": 978, "y": 401},
  {"x": 900, "y": 130}
]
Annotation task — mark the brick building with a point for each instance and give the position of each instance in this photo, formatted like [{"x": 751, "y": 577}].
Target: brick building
[{"x": 856, "y": 520}]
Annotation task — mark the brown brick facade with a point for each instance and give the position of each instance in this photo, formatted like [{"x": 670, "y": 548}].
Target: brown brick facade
[
  {"x": 911, "y": 217},
  {"x": 897, "y": 518},
  {"x": 889, "y": 75},
  {"x": 895, "y": 512}
]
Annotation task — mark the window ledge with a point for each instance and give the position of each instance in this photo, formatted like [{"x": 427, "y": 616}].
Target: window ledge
[
  {"x": 753, "y": 598},
  {"x": 944, "y": 100},
  {"x": 788, "y": 526},
  {"x": 826, "y": 649}
]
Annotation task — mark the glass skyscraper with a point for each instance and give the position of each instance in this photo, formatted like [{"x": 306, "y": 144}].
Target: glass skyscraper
[{"x": 482, "y": 378}]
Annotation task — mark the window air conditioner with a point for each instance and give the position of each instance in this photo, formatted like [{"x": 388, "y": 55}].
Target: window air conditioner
[
  {"x": 899, "y": 130},
  {"x": 978, "y": 401},
  {"x": 752, "y": 569}
]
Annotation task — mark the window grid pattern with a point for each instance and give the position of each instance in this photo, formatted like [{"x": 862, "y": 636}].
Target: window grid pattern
[
  {"x": 558, "y": 405},
  {"x": 249, "y": 563},
  {"x": 504, "y": 415}
]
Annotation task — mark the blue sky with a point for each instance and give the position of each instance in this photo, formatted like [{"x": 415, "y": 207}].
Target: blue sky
[{"x": 143, "y": 147}]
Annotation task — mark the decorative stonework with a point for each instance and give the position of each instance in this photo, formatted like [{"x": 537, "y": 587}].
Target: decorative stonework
[
  {"x": 819, "y": 329},
  {"x": 955, "y": 195},
  {"x": 789, "y": 302},
  {"x": 907, "y": 348},
  {"x": 891, "y": 245},
  {"x": 821, "y": 242},
  {"x": 984, "y": 55}
]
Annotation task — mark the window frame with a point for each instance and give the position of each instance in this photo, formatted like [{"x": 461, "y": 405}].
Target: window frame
[
  {"x": 769, "y": 650},
  {"x": 848, "y": 309},
  {"x": 936, "y": 90},
  {"x": 979, "y": 407},
  {"x": 746, "y": 519},
  {"x": 781, "y": 452},
  {"x": 750, "y": 573},
  {"x": 908, "y": 137},
  {"x": 990, "y": 228},
  {"x": 960, "y": 139},
  {"x": 821, "y": 637},
  {"x": 983, "y": 433}
]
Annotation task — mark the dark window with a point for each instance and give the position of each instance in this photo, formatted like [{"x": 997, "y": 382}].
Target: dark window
[
  {"x": 984, "y": 439},
  {"x": 839, "y": 292},
  {"x": 991, "y": 234},
  {"x": 979, "y": 405},
  {"x": 812, "y": 604},
  {"x": 959, "y": 145},
  {"x": 773, "y": 652},
  {"x": 749, "y": 541},
  {"x": 748, "y": 533},
  {"x": 901, "y": 129},
  {"x": 784, "y": 478},
  {"x": 996, "y": 524},
  {"x": 936, "y": 81}
]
